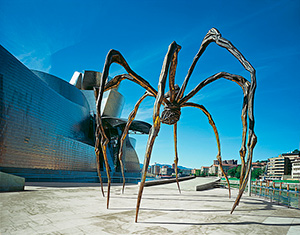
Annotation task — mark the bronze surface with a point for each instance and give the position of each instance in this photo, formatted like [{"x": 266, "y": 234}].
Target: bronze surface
[{"x": 173, "y": 101}]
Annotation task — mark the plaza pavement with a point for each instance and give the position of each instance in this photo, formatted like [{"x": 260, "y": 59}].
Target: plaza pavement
[{"x": 58, "y": 208}]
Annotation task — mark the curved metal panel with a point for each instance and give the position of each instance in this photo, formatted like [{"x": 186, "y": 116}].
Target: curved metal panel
[
  {"x": 47, "y": 125},
  {"x": 138, "y": 126},
  {"x": 41, "y": 128}
]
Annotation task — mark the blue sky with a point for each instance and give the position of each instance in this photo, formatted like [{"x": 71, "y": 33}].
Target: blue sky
[{"x": 61, "y": 37}]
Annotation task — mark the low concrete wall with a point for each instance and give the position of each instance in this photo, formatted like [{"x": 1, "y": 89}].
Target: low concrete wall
[
  {"x": 167, "y": 181},
  {"x": 9, "y": 183},
  {"x": 209, "y": 185}
]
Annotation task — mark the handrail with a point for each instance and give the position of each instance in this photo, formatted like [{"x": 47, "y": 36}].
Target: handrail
[
  {"x": 287, "y": 197},
  {"x": 286, "y": 194}
]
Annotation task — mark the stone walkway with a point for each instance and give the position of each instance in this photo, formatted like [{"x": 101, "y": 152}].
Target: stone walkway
[{"x": 58, "y": 209}]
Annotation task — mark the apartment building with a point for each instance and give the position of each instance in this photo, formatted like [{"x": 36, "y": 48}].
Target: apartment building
[
  {"x": 281, "y": 167},
  {"x": 277, "y": 167},
  {"x": 296, "y": 168}
]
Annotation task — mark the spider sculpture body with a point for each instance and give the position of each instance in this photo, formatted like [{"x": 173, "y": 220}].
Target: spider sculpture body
[{"x": 173, "y": 101}]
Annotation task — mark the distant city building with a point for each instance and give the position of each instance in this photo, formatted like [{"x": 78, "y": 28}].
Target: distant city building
[
  {"x": 229, "y": 162},
  {"x": 215, "y": 168},
  {"x": 281, "y": 167},
  {"x": 292, "y": 157},
  {"x": 185, "y": 172},
  {"x": 296, "y": 168},
  {"x": 155, "y": 169},
  {"x": 258, "y": 164},
  {"x": 196, "y": 171},
  {"x": 205, "y": 170},
  {"x": 165, "y": 170},
  {"x": 152, "y": 169},
  {"x": 277, "y": 167},
  {"x": 226, "y": 167}
]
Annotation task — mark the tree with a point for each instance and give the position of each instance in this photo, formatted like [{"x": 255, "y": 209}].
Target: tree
[
  {"x": 235, "y": 172},
  {"x": 256, "y": 173},
  {"x": 231, "y": 172},
  {"x": 238, "y": 172}
]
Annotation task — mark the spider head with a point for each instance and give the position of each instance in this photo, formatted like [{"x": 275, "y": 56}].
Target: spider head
[{"x": 170, "y": 115}]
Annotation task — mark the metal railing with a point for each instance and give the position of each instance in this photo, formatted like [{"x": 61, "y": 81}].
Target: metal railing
[{"x": 284, "y": 194}]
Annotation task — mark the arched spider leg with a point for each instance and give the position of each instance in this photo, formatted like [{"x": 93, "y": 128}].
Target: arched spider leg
[
  {"x": 252, "y": 139},
  {"x": 212, "y": 123},
  {"x": 252, "y": 142},
  {"x": 214, "y": 35},
  {"x": 172, "y": 94},
  {"x": 244, "y": 84},
  {"x": 113, "y": 57},
  {"x": 172, "y": 72},
  {"x": 176, "y": 156},
  {"x": 97, "y": 151},
  {"x": 152, "y": 136},
  {"x": 102, "y": 140},
  {"x": 97, "y": 144},
  {"x": 156, "y": 119},
  {"x": 247, "y": 109},
  {"x": 244, "y": 135},
  {"x": 131, "y": 117}
]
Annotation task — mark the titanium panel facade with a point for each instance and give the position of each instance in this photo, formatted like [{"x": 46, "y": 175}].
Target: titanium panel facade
[{"x": 45, "y": 126}]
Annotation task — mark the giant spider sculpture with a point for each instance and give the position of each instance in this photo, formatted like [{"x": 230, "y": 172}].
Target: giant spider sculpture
[{"x": 173, "y": 101}]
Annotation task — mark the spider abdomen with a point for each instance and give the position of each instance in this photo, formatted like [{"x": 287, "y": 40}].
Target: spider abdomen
[{"x": 170, "y": 116}]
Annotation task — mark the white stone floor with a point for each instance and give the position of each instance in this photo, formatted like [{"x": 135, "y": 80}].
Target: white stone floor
[{"x": 82, "y": 210}]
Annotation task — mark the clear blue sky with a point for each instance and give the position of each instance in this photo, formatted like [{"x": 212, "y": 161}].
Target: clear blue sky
[{"x": 61, "y": 37}]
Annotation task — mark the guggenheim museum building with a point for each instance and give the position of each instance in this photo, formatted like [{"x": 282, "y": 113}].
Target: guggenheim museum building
[{"x": 47, "y": 126}]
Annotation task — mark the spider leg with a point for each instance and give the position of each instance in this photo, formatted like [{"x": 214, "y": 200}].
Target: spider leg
[
  {"x": 244, "y": 84},
  {"x": 131, "y": 117},
  {"x": 252, "y": 137},
  {"x": 214, "y": 35},
  {"x": 212, "y": 123},
  {"x": 101, "y": 139},
  {"x": 244, "y": 136},
  {"x": 138, "y": 80},
  {"x": 156, "y": 119},
  {"x": 172, "y": 74},
  {"x": 152, "y": 136},
  {"x": 176, "y": 156},
  {"x": 249, "y": 90},
  {"x": 97, "y": 144},
  {"x": 98, "y": 169},
  {"x": 103, "y": 143},
  {"x": 241, "y": 81},
  {"x": 252, "y": 142},
  {"x": 116, "y": 57}
]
